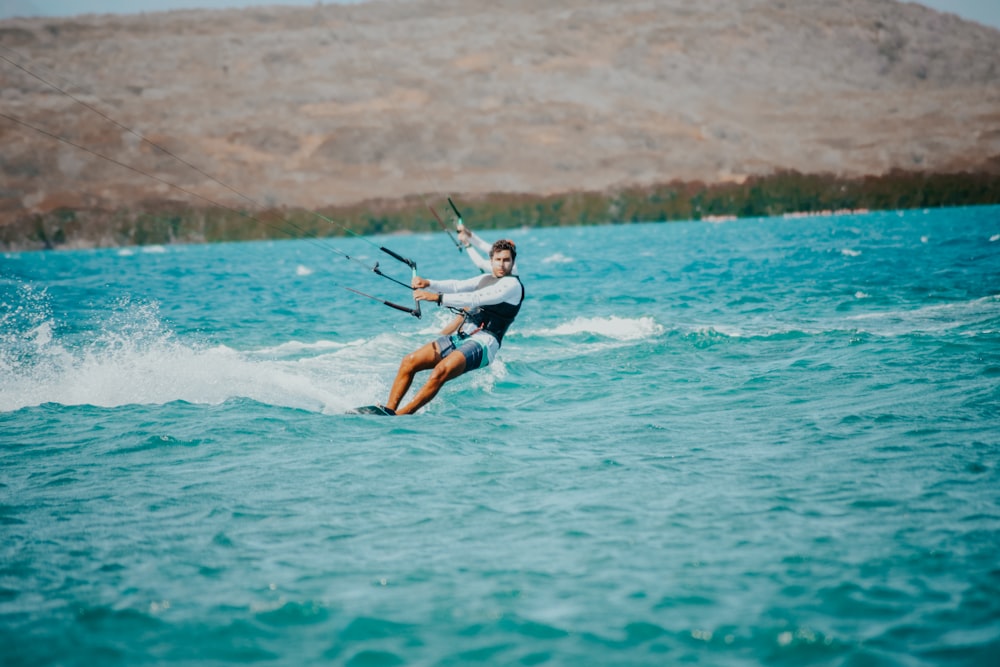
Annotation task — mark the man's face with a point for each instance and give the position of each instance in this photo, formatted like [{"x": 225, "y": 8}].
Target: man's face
[{"x": 502, "y": 262}]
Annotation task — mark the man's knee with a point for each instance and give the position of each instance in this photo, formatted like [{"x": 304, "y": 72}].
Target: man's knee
[{"x": 409, "y": 362}]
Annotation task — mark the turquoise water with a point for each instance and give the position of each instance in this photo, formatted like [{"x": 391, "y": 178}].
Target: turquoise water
[{"x": 763, "y": 442}]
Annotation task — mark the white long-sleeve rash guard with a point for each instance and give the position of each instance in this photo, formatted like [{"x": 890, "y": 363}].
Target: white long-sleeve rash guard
[{"x": 463, "y": 293}]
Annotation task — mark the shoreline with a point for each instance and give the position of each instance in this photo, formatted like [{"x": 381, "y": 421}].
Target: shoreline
[{"x": 790, "y": 194}]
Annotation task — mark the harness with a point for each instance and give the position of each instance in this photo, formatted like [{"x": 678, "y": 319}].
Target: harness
[{"x": 495, "y": 318}]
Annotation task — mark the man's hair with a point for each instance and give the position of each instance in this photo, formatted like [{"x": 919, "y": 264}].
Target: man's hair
[{"x": 504, "y": 244}]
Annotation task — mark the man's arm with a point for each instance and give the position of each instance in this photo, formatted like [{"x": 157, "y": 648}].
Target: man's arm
[
  {"x": 453, "y": 326},
  {"x": 438, "y": 287},
  {"x": 505, "y": 290},
  {"x": 482, "y": 263},
  {"x": 479, "y": 243}
]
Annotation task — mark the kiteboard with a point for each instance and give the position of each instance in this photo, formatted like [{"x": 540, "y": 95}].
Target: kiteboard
[{"x": 380, "y": 410}]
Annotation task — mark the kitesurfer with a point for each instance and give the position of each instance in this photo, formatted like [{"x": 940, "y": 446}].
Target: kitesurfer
[{"x": 488, "y": 306}]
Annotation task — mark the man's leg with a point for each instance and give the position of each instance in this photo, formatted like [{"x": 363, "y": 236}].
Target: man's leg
[
  {"x": 421, "y": 360},
  {"x": 448, "y": 368}
]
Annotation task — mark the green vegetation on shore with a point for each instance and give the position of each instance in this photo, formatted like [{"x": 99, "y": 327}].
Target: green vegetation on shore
[{"x": 781, "y": 193}]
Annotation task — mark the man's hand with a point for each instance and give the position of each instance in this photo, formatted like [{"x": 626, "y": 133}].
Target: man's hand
[
  {"x": 419, "y": 283},
  {"x": 421, "y": 295}
]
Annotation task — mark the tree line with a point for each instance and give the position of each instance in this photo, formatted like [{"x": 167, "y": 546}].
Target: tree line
[{"x": 168, "y": 221}]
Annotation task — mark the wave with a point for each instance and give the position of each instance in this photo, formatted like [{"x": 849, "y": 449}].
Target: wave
[
  {"x": 613, "y": 327},
  {"x": 295, "y": 347},
  {"x": 558, "y": 258},
  {"x": 968, "y": 318},
  {"x": 971, "y": 315},
  {"x": 978, "y": 316},
  {"x": 142, "y": 250}
]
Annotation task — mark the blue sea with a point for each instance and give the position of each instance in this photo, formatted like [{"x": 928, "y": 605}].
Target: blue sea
[{"x": 758, "y": 442}]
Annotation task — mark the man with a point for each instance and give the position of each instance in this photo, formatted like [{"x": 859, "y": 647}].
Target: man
[{"x": 472, "y": 339}]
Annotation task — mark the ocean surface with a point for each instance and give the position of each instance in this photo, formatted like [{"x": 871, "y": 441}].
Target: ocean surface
[{"x": 760, "y": 442}]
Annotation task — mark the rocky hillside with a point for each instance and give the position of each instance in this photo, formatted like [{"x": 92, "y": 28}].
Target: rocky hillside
[{"x": 331, "y": 104}]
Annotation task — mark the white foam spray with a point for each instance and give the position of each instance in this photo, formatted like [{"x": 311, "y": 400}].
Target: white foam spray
[{"x": 132, "y": 357}]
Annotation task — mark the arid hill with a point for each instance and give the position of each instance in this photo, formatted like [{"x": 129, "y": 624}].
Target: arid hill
[{"x": 332, "y": 104}]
